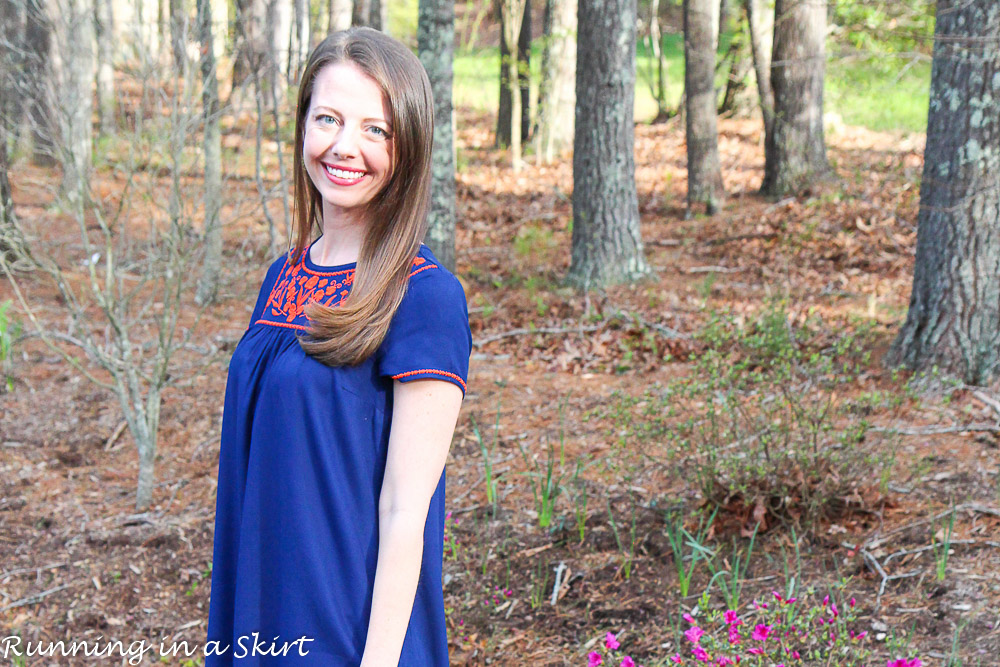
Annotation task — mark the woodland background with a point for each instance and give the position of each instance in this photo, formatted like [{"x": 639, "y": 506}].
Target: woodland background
[{"x": 734, "y": 285}]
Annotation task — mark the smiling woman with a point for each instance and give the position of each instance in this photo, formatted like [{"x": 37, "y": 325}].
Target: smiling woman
[{"x": 343, "y": 393}]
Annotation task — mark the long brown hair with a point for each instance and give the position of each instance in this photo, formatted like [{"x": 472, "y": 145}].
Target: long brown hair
[{"x": 396, "y": 216}]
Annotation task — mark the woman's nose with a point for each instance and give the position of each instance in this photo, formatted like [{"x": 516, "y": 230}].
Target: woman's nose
[{"x": 346, "y": 143}]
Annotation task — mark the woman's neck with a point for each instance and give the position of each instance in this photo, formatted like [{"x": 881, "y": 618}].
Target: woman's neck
[{"x": 341, "y": 240}]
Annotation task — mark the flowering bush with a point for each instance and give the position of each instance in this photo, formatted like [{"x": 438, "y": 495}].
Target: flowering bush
[
  {"x": 781, "y": 632},
  {"x": 610, "y": 655}
]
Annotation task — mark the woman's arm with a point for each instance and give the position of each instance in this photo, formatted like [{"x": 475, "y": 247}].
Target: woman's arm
[{"x": 424, "y": 414}]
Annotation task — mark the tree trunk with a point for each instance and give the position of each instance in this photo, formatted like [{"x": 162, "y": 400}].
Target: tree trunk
[
  {"x": 378, "y": 15},
  {"x": 607, "y": 246},
  {"x": 9, "y": 28},
  {"x": 760, "y": 18},
  {"x": 361, "y": 13},
  {"x": 178, "y": 32},
  {"x": 38, "y": 74},
  {"x": 557, "y": 89},
  {"x": 340, "y": 14},
  {"x": 209, "y": 284},
  {"x": 512, "y": 24},
  {"x": 300, "y": 40},
  {"x": 435, "y": 44},
  {"x": 953, "y": 321},
  {"x": 795, "y": 153},
  {"x": 659, "y": 88},
  {"x": 104, "y": 29},
  {"x": 73, "y": 59},
  {"x": 506, "y": 108},
  {"x": 701, "y": 124},
  {"x": 734, "y": 100},
  {"x": 524, "y": 70}
]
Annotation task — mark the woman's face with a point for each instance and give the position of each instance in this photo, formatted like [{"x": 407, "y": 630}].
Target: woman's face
[{"x": 347, "y": 148}]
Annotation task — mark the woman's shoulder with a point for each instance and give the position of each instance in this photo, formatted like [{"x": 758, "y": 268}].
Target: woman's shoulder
[{"x": 429, "y": 275}]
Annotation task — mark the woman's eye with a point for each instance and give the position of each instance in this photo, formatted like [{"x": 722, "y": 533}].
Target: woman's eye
[
  {"x": 326, "y": 119},
  {"x": 378, "y": 130}
]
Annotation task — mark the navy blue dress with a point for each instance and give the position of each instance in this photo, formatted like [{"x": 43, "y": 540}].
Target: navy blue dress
[{"x": 301, "y": 463}]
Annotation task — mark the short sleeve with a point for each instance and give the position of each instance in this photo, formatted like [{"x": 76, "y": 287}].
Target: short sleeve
[
  {"x": 429, "y": 337},
  {"x": 265, "y": 288}
]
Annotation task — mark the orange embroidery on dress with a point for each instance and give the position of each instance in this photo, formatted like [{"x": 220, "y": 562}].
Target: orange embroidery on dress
[
  {"x": 298, "y": 285},
  {"x": 430, "y": 370}
]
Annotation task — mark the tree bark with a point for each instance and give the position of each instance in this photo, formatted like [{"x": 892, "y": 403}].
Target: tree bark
[
  {"x": 378, "y": 15},
  {"x": 659, "y": 88},
  {"x": 607, "y": 246},
  {"x": 301, "y": 37},
  {"x": 700, "y": 121},
  {"x": 38, "y": 75},
  {"x": 506, "y": 107},
  {"x": 208, "y": 286},
  {"x": 524, "y": 70},
  {"x": 104, "y": 29},
  {"x": 795, "y": 153},
  {"x": 178, "y": 32},
  {"x": 953, "y": 321},
  {"x": 340, "y": 14},
  {"x": 760, "y": 18},
  {"x": 361, "y": 13},
  {"x": 435, "y": 44},
  {"x": 73, "y": 59},
  {"x": 557, "y": 89}
]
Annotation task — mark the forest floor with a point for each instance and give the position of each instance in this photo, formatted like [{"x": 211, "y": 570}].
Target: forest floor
[{"x": 646, "y": 403}]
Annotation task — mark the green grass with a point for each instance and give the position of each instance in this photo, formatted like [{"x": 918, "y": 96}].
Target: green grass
[{"x": 881, "y": 94}]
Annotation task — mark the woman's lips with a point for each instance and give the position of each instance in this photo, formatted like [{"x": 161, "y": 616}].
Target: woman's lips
[{"x": 342, "y": 176}]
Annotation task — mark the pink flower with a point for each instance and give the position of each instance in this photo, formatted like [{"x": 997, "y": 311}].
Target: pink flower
[
  {"x": 756, "y": 650},
  {"x": 611, "y": 642},
  {"x": 676, "y": 659},
  {"x": 594, "y": 659},
  {"x": 694, "y": 634},
  {"x": 627, "y": 661},
  {"x": 700, "y": 654},
  {"x": 731, "y": 618},
  {"x": 777, "y": 596},
  {"x": 689, "y": 618},
  {"x": 826, "y": 600},
  {"x": 761, "y": 632},
  {"x": 903, "y": 662},
  {"x": 833, "y": 609},
  {"x": 851, "y": 603},
  {"x": 795, "y": 655},
  {"x": 734, "y": 634},
  {"x": 856, "y": 636},
  {"x": 723, "y": 660}
]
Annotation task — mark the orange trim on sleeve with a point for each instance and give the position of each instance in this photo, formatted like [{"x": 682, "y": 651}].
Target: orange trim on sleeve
[
  {"x": 423, "y": 268},
  {"x": 431, "y": 370}
]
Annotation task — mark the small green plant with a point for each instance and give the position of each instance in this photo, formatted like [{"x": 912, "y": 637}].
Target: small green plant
[
  {"x": 942, "y": 548},
  {"x": 578, "y": 487},
  {"x": 688, "y": 547},
  {"x": 539, "y": 584},
  {"x": 736, "y": 574},
  {"x": 488, "y": 477},
  {"x": 953, "y": 659},
  {"x": 628, "y": 554},
  {"x": 9, "y": 329},
  {"x": 450, "y": 541},
  {"x": 546, "y": 485}
]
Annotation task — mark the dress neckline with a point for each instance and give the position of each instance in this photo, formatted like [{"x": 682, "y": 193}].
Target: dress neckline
[{"x": 313, "y": 266}]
